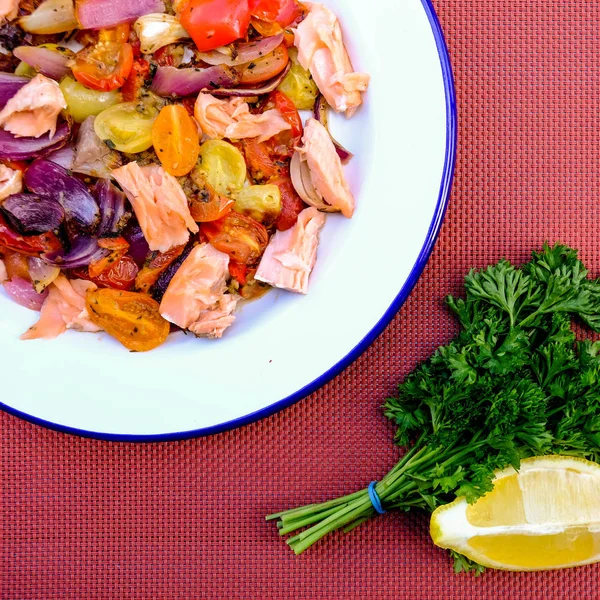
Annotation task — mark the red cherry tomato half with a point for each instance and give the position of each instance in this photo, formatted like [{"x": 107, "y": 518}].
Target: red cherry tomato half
[
  {"x": 283, "y": 12},
  {"x": 215, "y": 23},
  {"x": 104, "y": 66}
]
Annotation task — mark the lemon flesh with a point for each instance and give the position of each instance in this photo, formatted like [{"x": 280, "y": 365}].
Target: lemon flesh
[{"x": 546, "y": 516}]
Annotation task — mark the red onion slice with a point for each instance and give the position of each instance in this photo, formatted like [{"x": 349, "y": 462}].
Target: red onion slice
[
  {"x": 9, "y": 85},
  {"x": 171, "y": 82},
  {"x": 320, "y": 112},
  {"x": 30, "y": 213},
  {"x": 63, "y": 157},
  {"x": 101, "y": 14},
  {"x": 24, "y": 148},
  {"x": 48, "y": 62},
  {"x": 265, "y": 88},
  {"x": 112, "y": 208},
  {"x": 48, "y": 179},
  {"x": 23, "y": 293},
  {"x": 240, "y": 54},
  {"x": 83, "y": 252}
]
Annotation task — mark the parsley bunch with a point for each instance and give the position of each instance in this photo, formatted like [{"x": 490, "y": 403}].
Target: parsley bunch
[{"x": 513, "y": 384}]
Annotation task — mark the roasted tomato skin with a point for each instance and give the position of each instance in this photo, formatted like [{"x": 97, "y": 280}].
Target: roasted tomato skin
[
  {"x": 121, "y": 276},
  {"x": 32, "y": 245},
  {"x": 241, "y": 237},
  {"x": 291, "y": 204},
  {"x": 282, "y": 12},
  {"x": 105, "y": 66},
  {"x": 130, "y": 317},
  {"x": 158, "y": 263},
  {"x": 136, "y": 80},
  {"x": 215, "y": 23}
]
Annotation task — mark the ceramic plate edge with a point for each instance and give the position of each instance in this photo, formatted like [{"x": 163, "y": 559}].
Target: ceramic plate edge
[{"x": 365, "y": 343}]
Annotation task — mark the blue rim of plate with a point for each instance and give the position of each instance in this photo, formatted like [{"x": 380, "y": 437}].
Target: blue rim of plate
[{"x": 432, "y": 235}]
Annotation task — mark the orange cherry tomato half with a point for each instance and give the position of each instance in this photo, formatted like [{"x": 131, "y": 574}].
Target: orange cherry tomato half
[
  {"x": 104, "y": 66},
  {"x": 132, "y": 318},
  {"x": 215, "y": 23},
  {"x": 176, "y": 140},
  {"x": 242, "y": 238},
  {"x": 264, "y": 68}
]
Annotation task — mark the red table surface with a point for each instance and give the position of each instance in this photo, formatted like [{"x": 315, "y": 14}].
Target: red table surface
[{"x": 89, "y": 519}]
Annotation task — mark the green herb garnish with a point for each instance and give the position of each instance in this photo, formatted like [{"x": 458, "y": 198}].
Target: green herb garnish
[{"x": 513, "y": 384}]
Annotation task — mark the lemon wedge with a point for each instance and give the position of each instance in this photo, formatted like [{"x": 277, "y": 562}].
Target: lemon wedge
[{"x": 546, "y": 516}]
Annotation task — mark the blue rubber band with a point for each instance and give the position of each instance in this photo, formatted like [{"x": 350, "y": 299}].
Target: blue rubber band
[{"x": 375, "y": 500}]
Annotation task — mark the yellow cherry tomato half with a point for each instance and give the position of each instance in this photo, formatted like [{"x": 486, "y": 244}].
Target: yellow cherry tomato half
[
  {"x": 126, "y": 127},
  {"x": 176, "y": 140}
]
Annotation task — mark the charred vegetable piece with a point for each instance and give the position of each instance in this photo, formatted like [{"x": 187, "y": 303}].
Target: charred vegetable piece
[
  {"x": 132, "y": 318},
  {"x": 158, "y": 263}
]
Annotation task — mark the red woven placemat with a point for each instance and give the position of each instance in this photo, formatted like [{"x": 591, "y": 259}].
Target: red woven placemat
[{"x": 86, "y": 519}]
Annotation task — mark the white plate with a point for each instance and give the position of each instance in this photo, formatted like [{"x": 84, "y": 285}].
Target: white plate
[{"x": 284, "y": 346}]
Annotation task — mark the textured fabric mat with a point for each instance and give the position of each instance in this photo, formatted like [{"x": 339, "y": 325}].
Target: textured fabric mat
[{"x": 87, "y": 519}]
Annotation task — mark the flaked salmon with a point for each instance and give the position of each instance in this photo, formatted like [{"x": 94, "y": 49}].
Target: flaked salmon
[
  {"x": 3, "y": 273},
  {"x": 196, "y": 299},
  {"x": 9, "y": 9},
  {"x": 159, "y": 203},
  {"x": 326, "y": 168},
  {"x": 291, "y": 255},
  {"x": 232, "y": 119},
  {"x": 63, "y": 309},
  {"x": 11, "y": 182},
  {"x": 321, "y": 51},
  {"x": 34, "y": 109}
]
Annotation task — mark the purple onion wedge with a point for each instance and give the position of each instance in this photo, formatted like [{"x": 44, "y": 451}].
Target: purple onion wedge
[
  {"x": 50, "y": 63},
  {"x": 138, "y": 246},
  {"x": 101, "y": 14},
  {"x": 248, "y": 92},
  {"x": 23, "y": 293},
  {"x": 30, "y": 213},
  {"x": 239, "y": 54},
  {"x": 112, "y": 208},
  {"x": 171, "y": 82},
  {"x": 63, "y": 157},
  {"x": 48, "y": 179},
  {"x": 160, "y": 287},
  {"x": 25, "y": 148},
  {"x": 84, "y": 251}
]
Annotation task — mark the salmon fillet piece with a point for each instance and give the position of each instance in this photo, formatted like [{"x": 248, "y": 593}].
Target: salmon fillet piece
[
  {"x": 159, "y": 203},
  {"x": 232, "y": 119},
  {"x": 11, "y": 182},
  {"x": 196, "y": 299},
  {"x": 326, "y": 168},
  {"x": 63, "y": 309},
  {"x": 291, "y": 255},
  {"x": 321, "y": 51},
  {"x": 34, "y": 109},
  {"x": 9, "y": 9}
]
